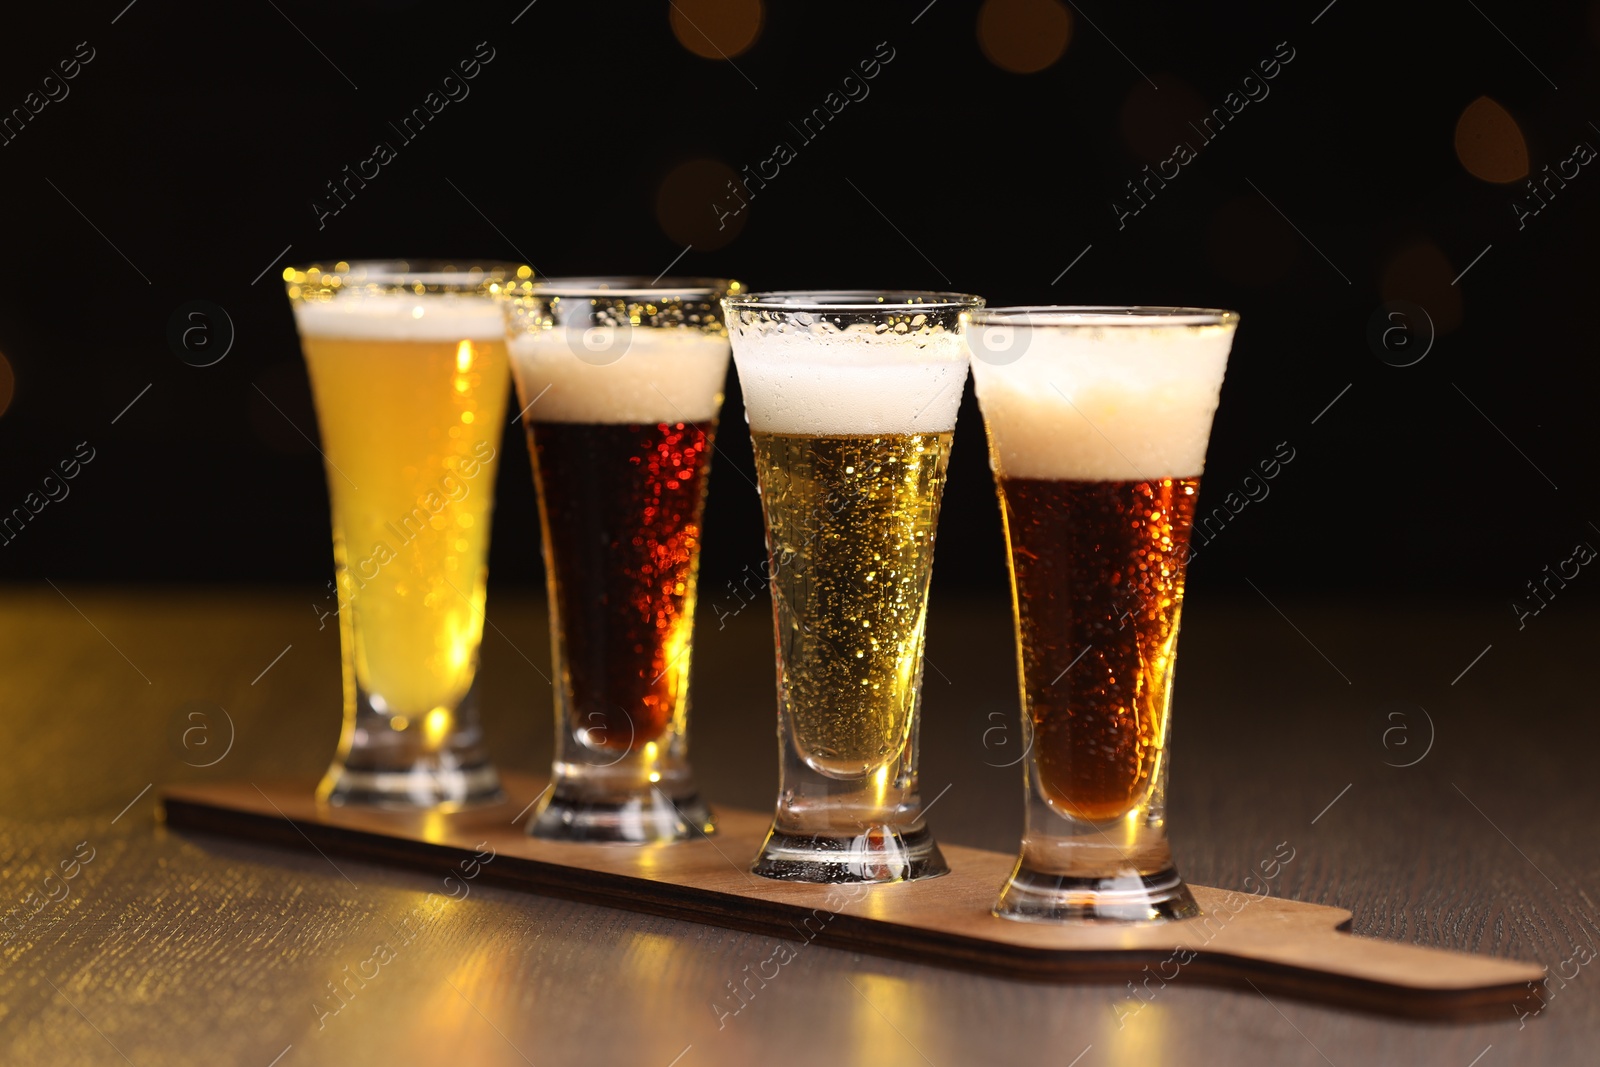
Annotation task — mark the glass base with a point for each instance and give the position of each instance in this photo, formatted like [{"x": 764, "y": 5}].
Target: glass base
[
  {"x": 648, "y": 817},
  {"x": 1033, "y": 896},
  {"x": 882, "y": 854},
  {"x": 424, "y": 786}
]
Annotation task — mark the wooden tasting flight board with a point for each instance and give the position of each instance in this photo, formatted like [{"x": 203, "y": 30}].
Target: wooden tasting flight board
[{"x": 1276, "y": 945}]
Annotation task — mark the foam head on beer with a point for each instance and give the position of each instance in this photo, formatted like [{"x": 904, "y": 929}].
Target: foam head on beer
[
  {"x": 1098, "y": 395},
  {"x": 611, "y": 374},
  {"x": 806, "y": 373},
  {"x": 392, "y": 316}
]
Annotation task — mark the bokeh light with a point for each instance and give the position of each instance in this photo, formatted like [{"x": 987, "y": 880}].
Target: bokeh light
[
  {"x": 8, "y": 383},
  {"x": 716, "y": 29},
  {"x": 696, "y": 206},
  {"x": 1490, "y": 144},
  {"x": 1023, "y": 36},
  {"x": 1421, "y": 273},
  {"x": 1250, "y": 245},
  {"x": 1154, "y": 123}
]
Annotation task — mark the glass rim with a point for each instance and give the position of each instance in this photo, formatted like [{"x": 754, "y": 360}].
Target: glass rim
[
  {"x": 1102, "y": 315},
  {"x": 462, "y": 273},
  {"x": 630, "y": 285},
  {"x": 857, "y": 300}
]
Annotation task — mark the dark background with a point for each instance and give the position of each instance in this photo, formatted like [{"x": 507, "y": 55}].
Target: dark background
[{"x": 190, "y": 150}]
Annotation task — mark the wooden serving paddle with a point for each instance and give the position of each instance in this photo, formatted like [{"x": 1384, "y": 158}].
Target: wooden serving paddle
[{"x": 1271, "y": 944}]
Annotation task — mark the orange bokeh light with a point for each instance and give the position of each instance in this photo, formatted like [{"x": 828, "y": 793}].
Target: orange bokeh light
[
  {"x": 694, "y": 204},
  {"x": 1153, "y": 123},
  {"x": 716, "y": 29},
  {"x": 1490, "y": 144},
  {"x": 1023, "y": 36},
  {"x": 1420, "y": 272},
  {"x": 8, "y": 383}
]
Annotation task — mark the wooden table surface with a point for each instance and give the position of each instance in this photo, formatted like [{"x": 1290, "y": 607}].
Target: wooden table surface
[{"x": 171, "y": 949}]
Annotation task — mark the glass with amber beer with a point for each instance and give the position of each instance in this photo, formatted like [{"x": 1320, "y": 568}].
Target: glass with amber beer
[
  {"x": 851, "y": 399},
  {"x": 620, "y": 382},
  {"x": 409, "y": 374},
  {"x": 1098, "y": 420}
]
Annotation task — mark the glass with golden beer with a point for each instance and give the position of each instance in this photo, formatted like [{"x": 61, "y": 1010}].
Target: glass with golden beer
[
  {"x": 620, "y": 382},
  {"x": 1097, "y": 420},
  {"x": 851, "y": 399},
  {"x": 409, "y": 373}
]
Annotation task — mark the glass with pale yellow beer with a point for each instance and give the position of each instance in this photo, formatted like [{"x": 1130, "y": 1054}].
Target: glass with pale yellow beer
[
  {"x": 851, "y": 399},
  {"x": 409, "y": 373}
]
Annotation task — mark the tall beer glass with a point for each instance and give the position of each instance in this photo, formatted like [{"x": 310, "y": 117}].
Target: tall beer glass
[
  {"x": 408, "y": 370},
  {"x": 620, "y": 382},
  {"x": 851, "y": 399},
  {"x": 1097, "y": 420}
]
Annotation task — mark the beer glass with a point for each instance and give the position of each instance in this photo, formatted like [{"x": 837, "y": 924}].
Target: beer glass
[
  {"x": 851, "y": 399},
  {"x": 1097, "y": 419},
  {"x": 620, "y": 382},
  {"x": 408, "y": 370}
]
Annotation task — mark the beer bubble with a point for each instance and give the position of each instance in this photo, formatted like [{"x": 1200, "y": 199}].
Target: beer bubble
[
  {"x": 1400, "y": 333},
  {"x": 200, "y": 333},
  {"x": 200, "y": 733}
]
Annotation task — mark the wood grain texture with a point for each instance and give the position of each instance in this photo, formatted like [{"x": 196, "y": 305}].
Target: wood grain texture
[
  {"x": 180, "y": 948},
  {"x": 1246, "y": 940}
]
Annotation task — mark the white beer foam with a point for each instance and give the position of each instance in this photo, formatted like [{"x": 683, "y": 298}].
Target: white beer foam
[
  {"x": 606, "y": 375},
  {"x": 1103, "y": 403},
  {"x": 402, "y": 317},
  {"x": 824, "y": 380}
]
